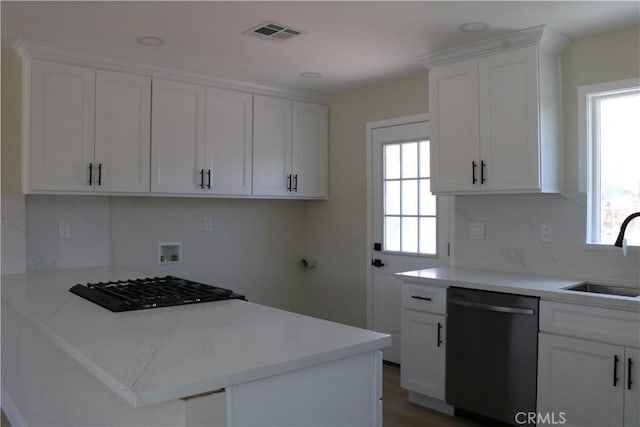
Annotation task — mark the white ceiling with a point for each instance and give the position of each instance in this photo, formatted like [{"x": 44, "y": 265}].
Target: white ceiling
[{"x": 350, "y": 42}]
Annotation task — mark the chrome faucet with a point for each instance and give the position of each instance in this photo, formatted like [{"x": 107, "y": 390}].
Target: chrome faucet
[{"x": 623, "y": 228}]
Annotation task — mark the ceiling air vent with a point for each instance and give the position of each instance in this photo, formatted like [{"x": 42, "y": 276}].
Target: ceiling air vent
[{"x": 273, "y": 31}]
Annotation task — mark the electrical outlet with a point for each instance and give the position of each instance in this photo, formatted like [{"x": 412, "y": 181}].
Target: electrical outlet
[
  {"x": 476, "y": 230},
  {"x": 545, "y": 232},
  {"x": 208, "y": 224},
  {"x": 64, "y": 229}
]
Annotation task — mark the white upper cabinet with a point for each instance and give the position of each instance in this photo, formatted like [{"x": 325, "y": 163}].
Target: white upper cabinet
[
  {"x": 178, "y": 133},
  {"x": 62, "y": 127},
  {"x": 228, "y": 142},
  {"x": 122, "y": 132},
  {"x": 271, "y": 146},
  {"x": 497, "y": 116},
  {"x": 201, "y": 140},
  {"x": 310, "y": 149},
  {"x": 290, "y": 148},
  {"x": 453, "y": 102},
  {"x": 89, "y": 129}
]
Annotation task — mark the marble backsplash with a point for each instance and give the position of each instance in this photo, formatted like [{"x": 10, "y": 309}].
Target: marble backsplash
[
  {"x": 90, "y": 240},
  {"x": 512, "y": 238}
]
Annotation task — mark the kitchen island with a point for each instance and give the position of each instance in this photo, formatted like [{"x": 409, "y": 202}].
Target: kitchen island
[{"x": 67, "y": 361}]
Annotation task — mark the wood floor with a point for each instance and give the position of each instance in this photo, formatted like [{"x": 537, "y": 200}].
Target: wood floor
[{"x": 397, "y": 410}]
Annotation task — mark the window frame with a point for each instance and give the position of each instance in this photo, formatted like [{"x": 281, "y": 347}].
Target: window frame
[{"x": 589, "y": 151}]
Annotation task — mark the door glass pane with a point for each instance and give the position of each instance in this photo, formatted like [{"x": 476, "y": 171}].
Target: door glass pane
[
  {"x": 425, "y": 171},
  {"x": 428, "y": 236},
  {"x": 409, "y": 207},
  {"x": 392, "y": 161},
  {"x": 392, "y": 234},
  {"x": 410, "y": 160},
  {"x": 410, "y": 197},
  {"x": 409, "y": 234},
  {"x": 392, "y": 198},
  {"x": 427, "y": 200}
]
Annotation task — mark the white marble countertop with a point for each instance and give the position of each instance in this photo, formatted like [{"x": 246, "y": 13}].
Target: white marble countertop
[
  {"x": 547, "y": 288},
  {"x": 156, "y": 355}
]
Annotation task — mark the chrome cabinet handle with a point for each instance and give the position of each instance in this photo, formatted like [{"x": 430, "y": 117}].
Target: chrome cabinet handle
[
  {"x": 420, "y": 298},
  {"x": 209, "y": 178},
  {"x": 99, "y": 173},
  {"x": 202, "y": 178},
  {"x": 487, "y": 307},
  {"x": 439, "y": 332},
  {"x": 482, "y": 166},
  {"x": 90, "y": 173},
  {"x": 629, "y": 382},
  {"x": 289, "y": 182},
  {"x": 615, "y": 370}
]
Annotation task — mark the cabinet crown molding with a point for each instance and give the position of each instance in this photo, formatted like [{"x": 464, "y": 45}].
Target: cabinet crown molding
[
  {"x": 543, "y": 37},
  {"x": 30, "y": 49}
]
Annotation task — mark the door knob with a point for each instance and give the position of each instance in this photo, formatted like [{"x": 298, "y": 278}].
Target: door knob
[{"x": 377, "y": 263}]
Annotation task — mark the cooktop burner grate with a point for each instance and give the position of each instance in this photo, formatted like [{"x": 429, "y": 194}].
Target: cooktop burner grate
[{"x": 137, "y": 294}]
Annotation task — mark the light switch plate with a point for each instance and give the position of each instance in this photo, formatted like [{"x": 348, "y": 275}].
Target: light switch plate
[
  {"x": 476, "y": 230},
  {"x": 546, "y": 232},
  {"x": 64, "y": 230}
]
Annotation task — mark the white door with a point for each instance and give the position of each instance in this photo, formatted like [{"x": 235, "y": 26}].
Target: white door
[
  {"x": 576, "y": 377},
  {"x": 62, "y": 127},
  {"x": 228, "y": 142},
  {"x": 509, "y": 119},
  {"x": 453, "y": 105},
  {"x": 271, "y": 146},
  {"x": 631, "y": 386},
  {"x": 123, "y": 127},
  {"x": 409, "y": 226},
  {"x": 177, "y": 133},
  {"x": 310, "y": 149}
]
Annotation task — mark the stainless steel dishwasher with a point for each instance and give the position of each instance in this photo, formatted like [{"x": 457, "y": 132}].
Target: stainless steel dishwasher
[{"x": 492, "y": 353}]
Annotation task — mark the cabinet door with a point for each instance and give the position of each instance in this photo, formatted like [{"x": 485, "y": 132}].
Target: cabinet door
[
  {"x": 123, "y": 126},
  {"x": 423, "y": 353},
  {"x": 576, "y": 377},
  {"x": 310, "y": 150},
  {"x": 508, "y": 85},
  {"x": 271, "y": 145},
  {"x": 228, "y": 142},
  {"x": 631, "y": 387},
  {"x": 62, "y": 119},
  {"x": 453, "y": 104},
  {"x": 177, "y": 132}
]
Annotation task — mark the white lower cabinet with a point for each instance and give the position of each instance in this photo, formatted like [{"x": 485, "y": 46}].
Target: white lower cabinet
[
  {"x": 423, "y": 334},
  {"x": 423, "y": 353},
  {"x": 576, "y": 379},
  {"x": 584, "y": 381}
]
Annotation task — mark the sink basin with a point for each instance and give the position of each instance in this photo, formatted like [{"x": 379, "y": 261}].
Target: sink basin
[{"x": 604, "y": 289}]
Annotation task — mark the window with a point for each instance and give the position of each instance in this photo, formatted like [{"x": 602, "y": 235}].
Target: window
[
  {"x": 612, "y": 136},
  {"x": 409, "y": 207}
]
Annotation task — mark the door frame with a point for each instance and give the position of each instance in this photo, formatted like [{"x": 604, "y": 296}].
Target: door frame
[{"x": 370, "y": 127}]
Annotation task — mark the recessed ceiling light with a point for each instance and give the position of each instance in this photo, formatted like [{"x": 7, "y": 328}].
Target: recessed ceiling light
[
  {"x": 150, "y": 41},
  {"x": 310, "y": 75},
  {"x": 473, "y": 27}
]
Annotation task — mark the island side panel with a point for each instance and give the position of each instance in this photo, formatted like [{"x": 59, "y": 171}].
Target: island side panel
[
  {"x": 44, "y": 386},
  {"x": 339, "y": 393}
]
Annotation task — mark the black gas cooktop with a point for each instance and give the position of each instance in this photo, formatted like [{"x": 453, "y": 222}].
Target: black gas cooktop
[{"x": 138, "y": 294}]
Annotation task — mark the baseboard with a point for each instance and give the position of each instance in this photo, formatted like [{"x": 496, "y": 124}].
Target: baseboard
[
  {"x": 11, "y": 411},
  {"x": 430, "y": 402}
]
